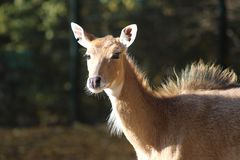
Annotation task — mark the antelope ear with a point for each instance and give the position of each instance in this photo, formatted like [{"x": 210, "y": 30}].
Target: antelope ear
[
  {"x": 128, "y": 35},
  {"x": 82, "y": 37}
]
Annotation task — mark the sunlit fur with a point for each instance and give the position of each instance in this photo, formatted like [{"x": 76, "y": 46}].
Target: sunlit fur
[
  {"x": 200, "y": 76},
  {"x": 195, "y": 77},
  {"x": 193, "y": 116}
]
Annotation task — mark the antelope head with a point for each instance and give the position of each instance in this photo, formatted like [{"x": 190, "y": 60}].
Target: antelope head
[{"x": 104, "y": 56}]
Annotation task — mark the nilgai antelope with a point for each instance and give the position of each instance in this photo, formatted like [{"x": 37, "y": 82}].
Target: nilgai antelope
[{"x": 194, "y": 116}]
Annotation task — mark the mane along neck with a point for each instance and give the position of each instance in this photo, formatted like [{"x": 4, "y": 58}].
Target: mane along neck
[{"x": 133, "y": 72}]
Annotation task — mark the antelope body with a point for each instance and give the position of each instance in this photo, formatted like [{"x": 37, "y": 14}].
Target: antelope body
[{"x": 195, "y": 117}]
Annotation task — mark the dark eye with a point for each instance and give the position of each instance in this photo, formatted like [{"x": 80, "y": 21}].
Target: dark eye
[
  {"x": 116, "y": 55},
  {"x": 87, "y": 56}
]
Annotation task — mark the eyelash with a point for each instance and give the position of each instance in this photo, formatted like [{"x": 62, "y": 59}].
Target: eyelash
[{"x": 116, "y": 55}]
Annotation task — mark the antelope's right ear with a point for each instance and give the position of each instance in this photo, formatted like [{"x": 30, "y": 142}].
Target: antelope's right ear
[{"x": 80, "y": 35}]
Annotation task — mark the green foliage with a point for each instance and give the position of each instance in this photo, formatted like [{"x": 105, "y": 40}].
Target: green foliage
[
  {"x": 36, "y": 90},
  {"x": 34, "y": 49}
]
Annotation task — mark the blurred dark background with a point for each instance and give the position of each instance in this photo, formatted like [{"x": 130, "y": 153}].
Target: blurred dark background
[{"x": 43, "y": 74}]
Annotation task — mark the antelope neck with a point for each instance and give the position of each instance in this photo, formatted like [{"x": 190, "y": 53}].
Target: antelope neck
[{"x": 132, "y": 107}]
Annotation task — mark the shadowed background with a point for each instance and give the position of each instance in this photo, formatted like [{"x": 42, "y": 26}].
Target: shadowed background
[{"x": 44, "y": 110}]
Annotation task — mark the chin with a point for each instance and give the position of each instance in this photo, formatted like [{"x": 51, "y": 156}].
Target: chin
[{"x": 95, "y": 91}]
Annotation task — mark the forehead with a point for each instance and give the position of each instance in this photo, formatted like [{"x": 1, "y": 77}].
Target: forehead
[{"x": 105, "y": 42}]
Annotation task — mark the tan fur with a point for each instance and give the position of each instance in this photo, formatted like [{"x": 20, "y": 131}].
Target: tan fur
[
  {"x": 194, "y": 117},
  {"x": 200, "y": 76}
]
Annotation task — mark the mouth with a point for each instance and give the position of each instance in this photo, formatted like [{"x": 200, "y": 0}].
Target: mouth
[{"x": 96, "y": 90}]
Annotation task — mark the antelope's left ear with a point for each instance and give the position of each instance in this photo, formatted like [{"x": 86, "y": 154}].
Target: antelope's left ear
[{"x": 128, "y": 35}]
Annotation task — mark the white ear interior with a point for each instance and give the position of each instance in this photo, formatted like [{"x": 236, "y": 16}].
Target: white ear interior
[
  {"x": 128, "y": 35},
  {"x": 79, "y": 34}
]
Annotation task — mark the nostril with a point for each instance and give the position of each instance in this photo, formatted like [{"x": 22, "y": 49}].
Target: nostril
[
  {"x": 95, "y": 82},
  {"x": 98, "y": 81}
]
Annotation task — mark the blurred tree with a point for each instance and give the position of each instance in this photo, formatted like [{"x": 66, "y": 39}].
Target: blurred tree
[
  {"x": 74, "y": 64},
  {"x": 34, "y": 49},
  {"x": 37, "y": 27},
  {"x": 223, "y": 39}
]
